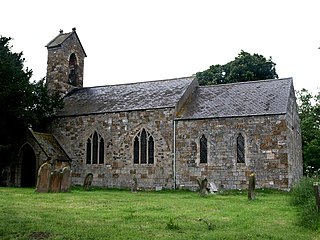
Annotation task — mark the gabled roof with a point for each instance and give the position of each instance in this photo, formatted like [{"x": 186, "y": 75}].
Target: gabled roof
[
  {"x": 50, "y": 146},
  {"x": 125, "y": 97},
  {"x": 266, "y": 97},
  {"x": 61, "y": 38}
]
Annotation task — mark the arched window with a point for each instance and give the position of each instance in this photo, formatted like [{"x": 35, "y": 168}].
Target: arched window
[
  {"x": 240, "y": 149},
  {"x": 95, "y": 149},
  {"x": 203, "y": 149},
  {"x": 73, "y": 70},
  {"x": 143, "y": 148}
]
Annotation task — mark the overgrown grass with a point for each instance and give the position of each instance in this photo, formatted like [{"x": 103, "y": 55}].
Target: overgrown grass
[
  {"x": 113, "y": 214},
  {"x": 303, "y": 196}
]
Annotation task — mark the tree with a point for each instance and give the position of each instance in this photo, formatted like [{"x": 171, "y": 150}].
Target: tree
[
  {"x": 22, "y": 103},
  {"x": 309, "y": 112},
  {"x": 245, "y": 67}
]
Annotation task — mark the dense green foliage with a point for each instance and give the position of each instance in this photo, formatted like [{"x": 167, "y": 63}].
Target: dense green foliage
[
  {"x": 114, "y": 214},
  {"x": 303, "y": 196},
  {"x": 245, "y": 67},
  {"x": 22, "y": 103},
  {"x": 309, "y": 112}
]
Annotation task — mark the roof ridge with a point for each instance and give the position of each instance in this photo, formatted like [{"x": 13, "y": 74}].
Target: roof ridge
[
  {"x": 134, "y": 83},
  {"x": 247, "y": 82}
]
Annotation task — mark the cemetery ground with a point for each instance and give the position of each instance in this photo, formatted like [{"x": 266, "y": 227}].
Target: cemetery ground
[{"x": 121, "y": 214}]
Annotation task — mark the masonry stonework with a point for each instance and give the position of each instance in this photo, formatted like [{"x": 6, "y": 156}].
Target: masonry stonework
[
  {"x": 118, "y": 130},
  {"x": 267, "y": 150}
]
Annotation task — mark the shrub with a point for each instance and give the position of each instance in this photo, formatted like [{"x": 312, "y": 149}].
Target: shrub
[
  {"x": 303, "y": 196},
  {"x": 302, "y": 192}
]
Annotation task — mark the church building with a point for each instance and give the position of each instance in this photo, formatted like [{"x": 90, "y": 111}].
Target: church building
[{"x": 166, "y": 133}]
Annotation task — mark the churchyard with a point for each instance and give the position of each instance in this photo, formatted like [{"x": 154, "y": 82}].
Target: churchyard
[{"x": 122, "y": 214}]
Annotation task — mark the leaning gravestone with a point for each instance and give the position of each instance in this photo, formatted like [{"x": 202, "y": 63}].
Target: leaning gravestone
[
  {"x": 44, "y": 176},
  {"x": 87, "y": 181},
  {"x": 55, "y": 183},
  {"x": 203, "y": 185},
  {"x": 65, "y": 179}
]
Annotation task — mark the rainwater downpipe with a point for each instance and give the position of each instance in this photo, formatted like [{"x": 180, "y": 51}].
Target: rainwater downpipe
[{"x": 174, "y": 155}]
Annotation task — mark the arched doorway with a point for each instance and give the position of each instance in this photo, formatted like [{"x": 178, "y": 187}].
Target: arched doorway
[{"x": 28, "y": 167}]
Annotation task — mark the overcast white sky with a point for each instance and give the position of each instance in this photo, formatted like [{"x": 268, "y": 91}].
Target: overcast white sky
[{"x": 142, "y": 40}]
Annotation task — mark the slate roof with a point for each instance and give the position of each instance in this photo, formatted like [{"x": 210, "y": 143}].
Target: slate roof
[
  {"x": 50, "y": 146},
  {"x": 266, "y": 97},
  {"x": 125, "y": 97}
]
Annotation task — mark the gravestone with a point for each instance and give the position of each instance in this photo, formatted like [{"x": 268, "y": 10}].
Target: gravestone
[
  {"x": 55, "y": 183},
  {"x": 203, "y": 185},
  {"x": 87, "y": 181},
  {"x": 134, "y": 184},
  {"x": 252, "y": 186},
  {"x": 65, "y": 179},
  {"x": 44, "y": 176},
  {"x": 212, "y": 187}
]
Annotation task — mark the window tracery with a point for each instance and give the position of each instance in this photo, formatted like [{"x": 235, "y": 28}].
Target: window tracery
[{"x": 143, "y": 148}]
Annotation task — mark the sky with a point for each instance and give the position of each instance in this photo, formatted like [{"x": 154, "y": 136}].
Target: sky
[{"x": 142, "y": 40}]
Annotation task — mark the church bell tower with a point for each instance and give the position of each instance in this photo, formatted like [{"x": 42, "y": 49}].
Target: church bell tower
[{"x": 65, "y": 63}]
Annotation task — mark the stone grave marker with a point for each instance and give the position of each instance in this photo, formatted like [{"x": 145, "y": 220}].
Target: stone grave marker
[
  {"x": 203, "y": 185},
  {"x": 134, "y": 184},
  {"x": 44, "y": 176},
  {"x": 252, "y": 186},
  {"x": 55, "y": 182},
  {"x": 65, "y": 179},
  {"x": 87, "y": 181}
]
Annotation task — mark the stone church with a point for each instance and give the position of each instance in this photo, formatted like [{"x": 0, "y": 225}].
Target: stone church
[{"x": 166, "y": 133}]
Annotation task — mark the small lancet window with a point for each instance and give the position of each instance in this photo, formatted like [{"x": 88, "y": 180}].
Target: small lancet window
[
  {"x": 240, "y": 149},
  {"x": 95, "y": 149},
  {"x": 73, "y": 70},
  {"x": 143, "y": 148},
  {"x": 136, "y": 150},
  {"x": 203, "y": 149}
]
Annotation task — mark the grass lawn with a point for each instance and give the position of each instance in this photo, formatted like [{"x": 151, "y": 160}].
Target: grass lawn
[{"x": 116, "y": 214}]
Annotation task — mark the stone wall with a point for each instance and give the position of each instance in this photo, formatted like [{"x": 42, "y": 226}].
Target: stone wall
[
  {"x": 118, "y": 131},
  {"x": 272, "y": 149},
  {"x": 268, "y": 152},
  {"x": 295, "y": 166}
]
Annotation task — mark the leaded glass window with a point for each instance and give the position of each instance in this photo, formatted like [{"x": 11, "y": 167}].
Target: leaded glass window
[
  {"x": 95, "y": 149},
  {"x": 143, "y": 148},
  {"x": 240, "y": 149},
  {"x": 203, "y": 150}
]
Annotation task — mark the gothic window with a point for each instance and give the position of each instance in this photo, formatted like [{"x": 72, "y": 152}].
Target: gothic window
[
  {"x": 143, "y": 148},
  {"x": 73, "y": 66},
  {"x": 203, "y": 150},
  {"x": 240, "y": 149},
  {"x": 95, "y": 149}
]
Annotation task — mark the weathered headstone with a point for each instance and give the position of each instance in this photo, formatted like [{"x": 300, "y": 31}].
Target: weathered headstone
[
  {"x": 252, "y": 186},
  {"x": 44, "y": 176},
  {"x": 134, "y": 184},
  {"x": 316, "y": 186},
  {"x": 212, "y": 187},
  {"x": 203, "y": 185},
  {"x": 87, "y": 181},
  {"x": 65, "y": 179},
  {"x": 55, "y": 182}
]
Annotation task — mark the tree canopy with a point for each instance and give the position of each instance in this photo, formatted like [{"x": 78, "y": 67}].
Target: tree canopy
[
  {"x": 245, "y": 67},
  {"x": 22, "y": 103},
  {"x": 309, "y": 112}
]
